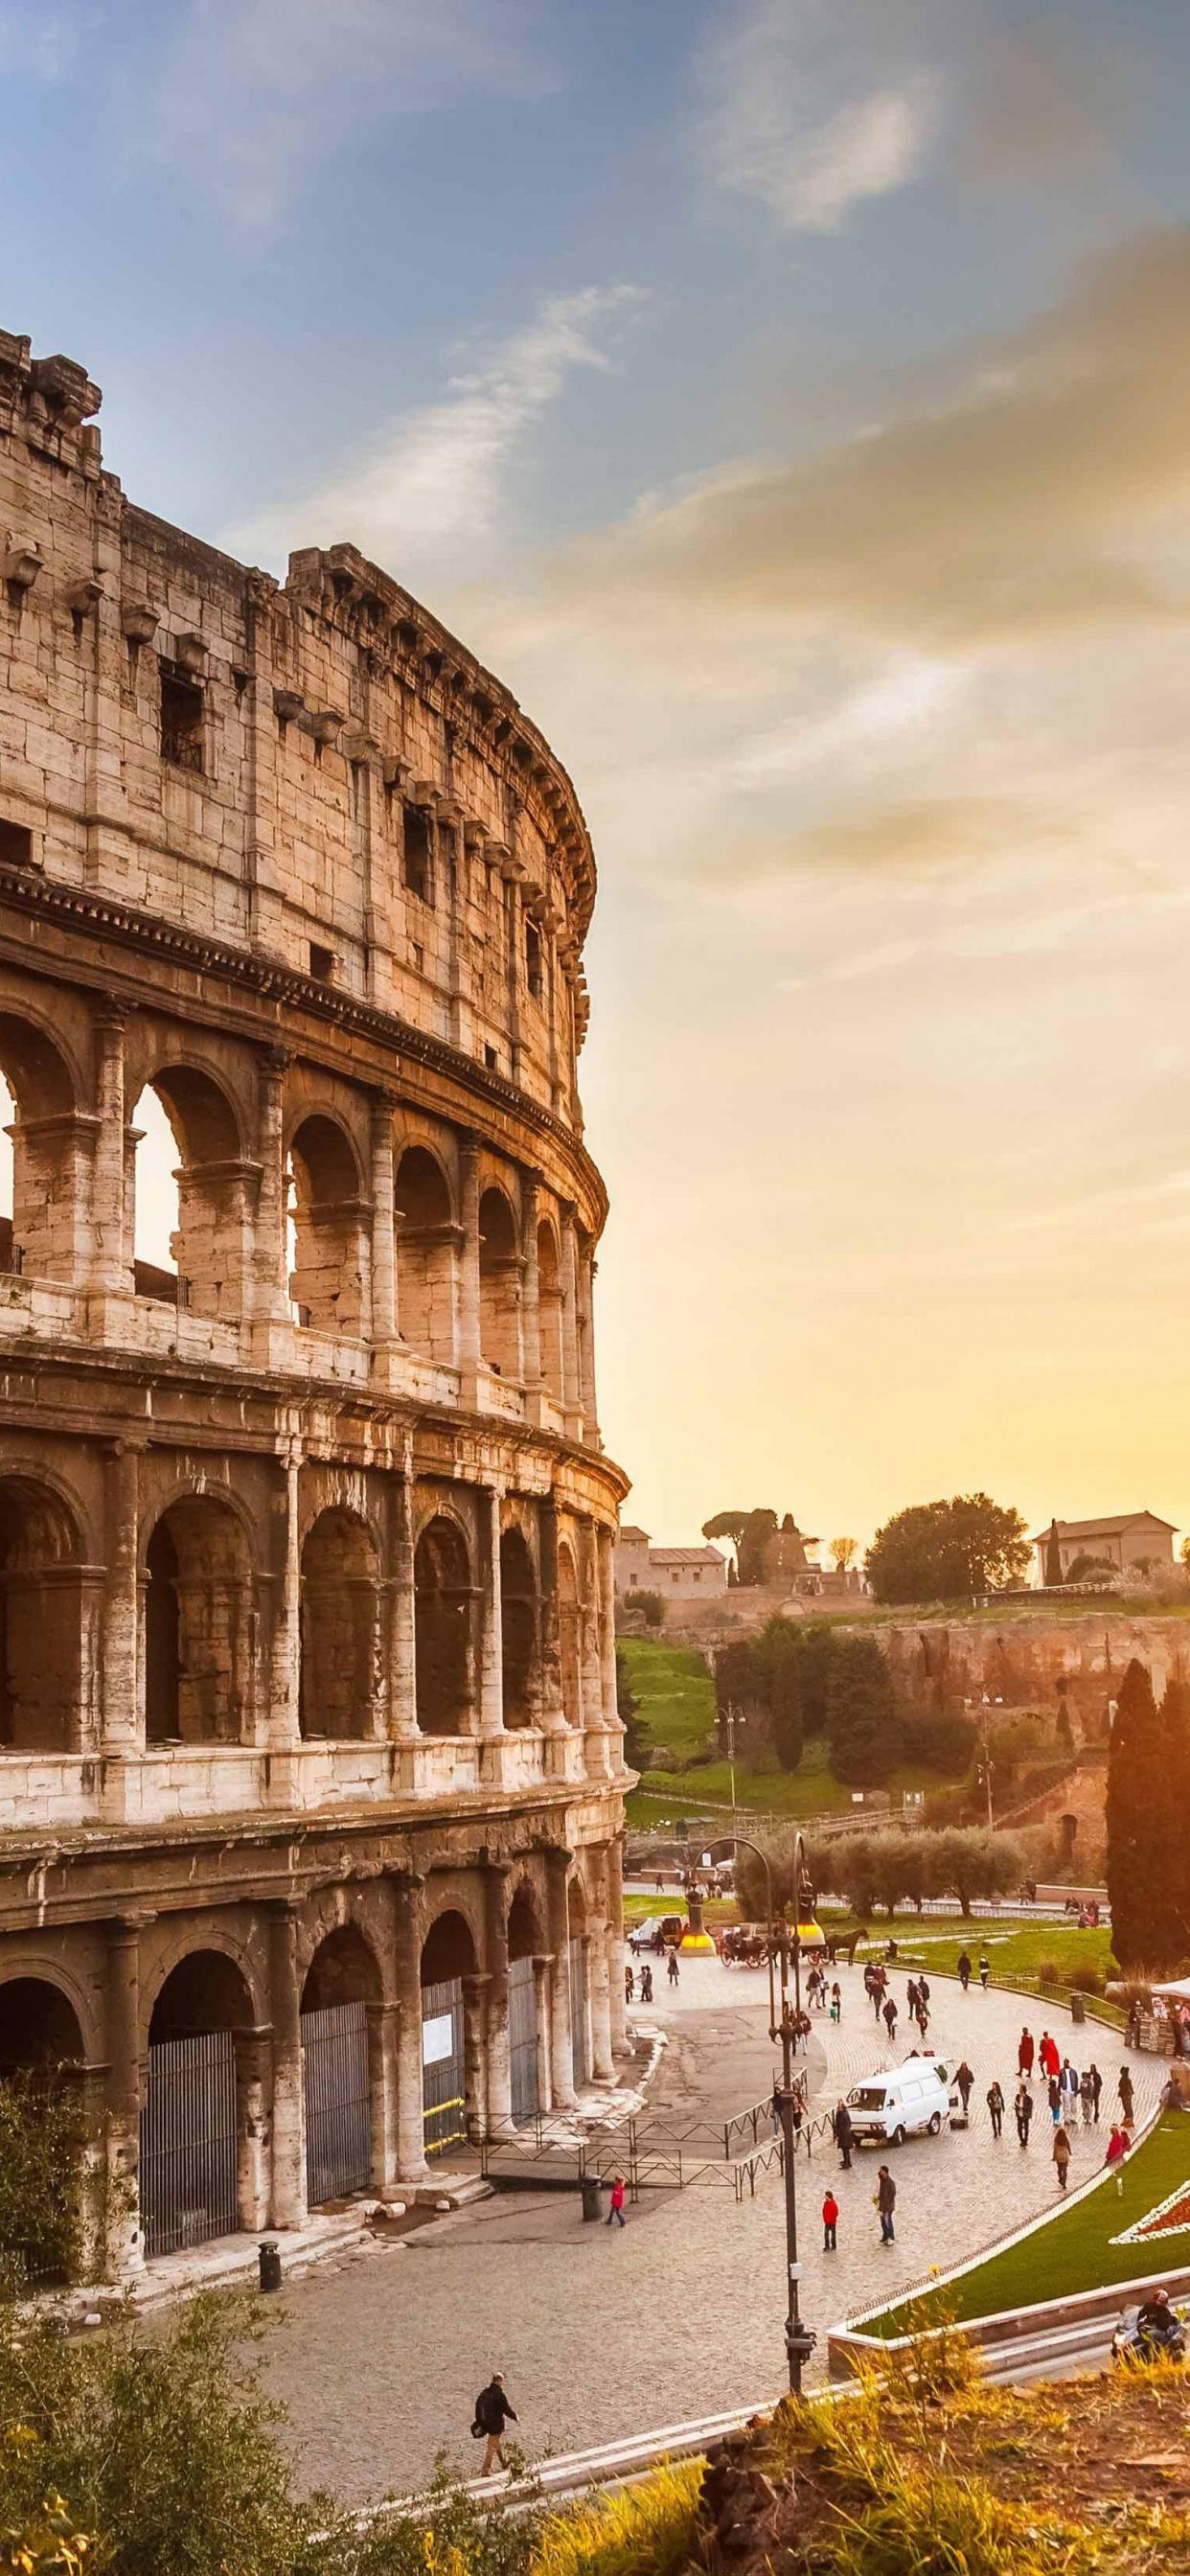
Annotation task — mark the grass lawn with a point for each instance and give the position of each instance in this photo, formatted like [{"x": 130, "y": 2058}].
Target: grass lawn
[
  {"x": 1074, "y": 2250},
  {"x": 1016, "y": 1949}
]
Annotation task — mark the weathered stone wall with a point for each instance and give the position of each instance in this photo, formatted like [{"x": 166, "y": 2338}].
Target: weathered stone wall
[{"x": 1030, "y": 1661}]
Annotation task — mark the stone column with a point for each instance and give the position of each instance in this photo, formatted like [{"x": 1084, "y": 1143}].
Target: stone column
[
  {"x": 253, "y": 2090},
  {"x": 123, "y": 1728},
  {"x": 475, "y": 2057},
  {"x": 530, "y": 1284},
  {"x": 384, "y": 1259},
  {"x": 112, "y": 1271},
  {"x": 407, "y": 1945},
  {"x": 586, "y": 1342},
  {"x": 604, "y": 1542},
  {"x": 614, "y": 1886},
  {"x": 491, "y": 1655},
  {"x": 542, "y": 1996},
  {"x": 125, "y": 2251},
  {"x": 270, "y": 1251},
  {"x": 382, "y": 2097},
  {"x": 289, "y": 2206},
  {"x": 402, "y": 1636},
  {"x": 590, "y": 1657},
  {"x": 496, "y": 1878},
  {"x": 573, "y": 1402},
  {"x": 553, "y": 1713},
  {"x": 285, "y": 1658},
  {"x": 557, "y": 1866},
  {"x": 599, "y": 1973},
  {"x": 468, "y": 1331}
]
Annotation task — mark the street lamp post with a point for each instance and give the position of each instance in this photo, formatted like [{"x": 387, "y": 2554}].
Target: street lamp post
[{"x": 799, "y": 2341}]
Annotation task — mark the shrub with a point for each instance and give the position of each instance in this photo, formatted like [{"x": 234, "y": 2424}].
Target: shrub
[
  {"x": 1086, "y": 1979},
  {"x": 938, "y": 1736},
  {"x": 650, "y": 1606}
]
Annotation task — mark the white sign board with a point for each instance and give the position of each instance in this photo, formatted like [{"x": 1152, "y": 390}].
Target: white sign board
[{"x": 437, "y": 2039}]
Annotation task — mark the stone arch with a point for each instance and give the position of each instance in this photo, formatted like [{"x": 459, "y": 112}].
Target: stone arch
[
  {"x": 426, "y": 1254},
  {"x": 205, "y": 2105},
  {"x": 449, "y": 1948},
  {"x": 550, "y": 1311},
  {"x": 442, "y": 1597},
  {"x": 40, "y": 2026},
  {"x": 525, "y": 1922},
  {"x": 328, "y": 1216},
  {"x": 343, "y": 1968},
  {"x": 576, "y": 1906},
  {"x": 207, "y": 1251},
  {"x": 45, "y": 1186},
  {"x": 570, "y": 1636},
  {"x": 453, "y": 2076},
  {"x": 499, "y": 1284},
  {"x": 41, "y": 1618},
  {"x": 340, "y": 1685},
  {"x": 518, "y": 1630},
  {"x": 199, "y": 1623},
  {"x": 343, "y": 2073}
]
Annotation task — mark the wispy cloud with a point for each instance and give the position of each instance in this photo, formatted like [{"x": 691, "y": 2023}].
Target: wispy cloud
[
  {"x": 427, "y": 496},
  {"x": 41, "y": 44},
  {"x": 810, "y": 111},
  {"x": 242, "y": 93}
]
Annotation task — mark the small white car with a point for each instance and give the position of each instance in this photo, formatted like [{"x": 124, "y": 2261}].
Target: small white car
[{"x": 907, "y": 2101}]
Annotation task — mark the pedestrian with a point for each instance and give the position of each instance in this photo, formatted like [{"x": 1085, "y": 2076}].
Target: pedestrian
[
  {"x": 1117, "y": 2148},
  {"x": 1068, "y": 2079},
  {"x": 911, "y": 1997},
  {"x": 830, "y": 2221},
  {"x": 923, "y": 1988},
  {"x": 1024, "y": 2054},
  {"x": 841, "y": 2125},
  {"x": 672, "y": 1970},
  {"x": 877, "y": 1993},
  {"x": 1062, "y": 2153},
  {"x": 890, "y": 2016},
  {"x": 492, "y": 2413},
  {"x": 923, "y": 2016},
  {"x": 964, "y": 2079},
  {"x": 985, "y": 1970},
  {"x": 1096, "y": 2085},
  {"x": 646, "y": 1984},
  {"x": 1124, "y": 2088},
  {"x": 1086, "y": 2097},
  {"x": 836, "y": 2002},
  {"x": 995, "y": 2102},
  {"x": 1053, "y": 2095},
  {"x": 616, "y": 2205},
  {"x": 629, "y": 1986},
  {"x": 1047, "y": 2055},
  {"x": 884, "y": 2199},
  {"x": 964, "y": 1970},
  {"x": 1023, "y": 2106}
]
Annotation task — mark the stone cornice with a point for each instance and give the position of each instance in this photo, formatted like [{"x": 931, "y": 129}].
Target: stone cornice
[{"x": 147, "y": 934}]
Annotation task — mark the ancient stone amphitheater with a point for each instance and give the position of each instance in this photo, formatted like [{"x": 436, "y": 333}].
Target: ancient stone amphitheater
[{"x": 310, "y": 1771}]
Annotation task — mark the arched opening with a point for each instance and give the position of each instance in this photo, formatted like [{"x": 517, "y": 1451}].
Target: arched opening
[
  {"x": 499, "y": 1285},
  {"x": 518, "y": 1630},
  {"x": 580, "y": 2007},
  {"x": 426, "y": 1243},
  {"x": 569, "y": 1638},
  {"x": 198, "y": 1625},
  {"x": 549, "y": 1305},
  {"x": 44, "y": 1156},
  {"x": 329, "y": 1238},
  {"x": 41, "y": 1621},
  {"x": 201, "y": 2107},
  {"x": 342, "y": 2066},
  {"x": 41, "y": 2060},
  {"x": 527, "y": 2039},
  {"x": 340, "y": 1667},
  {"x": 449, "y": 2049},
  {"x": 442, "y": 1629},
  {"x": 191, "y": 1238}
]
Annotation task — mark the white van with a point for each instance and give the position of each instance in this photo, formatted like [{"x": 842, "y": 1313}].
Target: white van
[{"x": 910, "y": 2100}]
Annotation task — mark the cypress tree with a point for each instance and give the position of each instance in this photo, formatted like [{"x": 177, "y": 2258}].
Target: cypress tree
[
  {"x": 1145, "y": 1830},
  {"x": 1175, "y": 1790},
  {"x": 863, "y": 1721}
]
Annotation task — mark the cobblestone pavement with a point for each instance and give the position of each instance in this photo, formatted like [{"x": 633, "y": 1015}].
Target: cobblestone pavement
[{"x": 599, "y": 2333}]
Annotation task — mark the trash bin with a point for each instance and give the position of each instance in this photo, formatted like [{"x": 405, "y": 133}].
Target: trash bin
[
  {"x": 590, "y": 2191},
  {"x": 1078, "y": 2009},
  {"x": 270, "y": 2267}
]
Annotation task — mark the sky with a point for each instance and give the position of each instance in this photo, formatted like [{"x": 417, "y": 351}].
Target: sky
[{"x": 791, "y": 400}]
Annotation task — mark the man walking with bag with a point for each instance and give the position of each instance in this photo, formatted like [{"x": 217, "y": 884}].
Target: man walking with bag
[
  {"x": 885, "y": 2200},
  {"x": 492, "y": 2413}
]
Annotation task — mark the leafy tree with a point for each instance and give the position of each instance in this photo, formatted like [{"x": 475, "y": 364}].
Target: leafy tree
[
  {"x": 728, "y": 1525},
  {"x": 974, "y": 1864},
  {"x": 941, "y": 1737},
  {"x": 863, "y": 1723},
  {"x": 636, "y": 1741},
  {"x": 947, "y": 1551},
  {"x": 817, "y": 1646},
  {"x": 1090, "y": 1569},
  {"x": 752, "y": 1884},
  {"x": 1146, "y": 1866},
  {"x": 843, "y": 1552},
  {"x": 650, "y": 1605}
]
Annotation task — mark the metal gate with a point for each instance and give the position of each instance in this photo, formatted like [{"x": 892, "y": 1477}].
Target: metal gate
[
  {"x": 578, "y": 2013},
  {"x": 522, "y": 2039},
  {"x": 443, "y": 2073},
  {"x": 188, "y": 2142},
  {"x": 338, "y": 2108}
]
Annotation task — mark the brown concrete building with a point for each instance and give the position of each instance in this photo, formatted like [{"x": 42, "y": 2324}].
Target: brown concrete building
[{"x": 310, "y": 1773}]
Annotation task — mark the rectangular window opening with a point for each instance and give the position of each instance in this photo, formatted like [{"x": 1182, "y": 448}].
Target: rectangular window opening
[
  {"x": 491, "y": 1059},
  {"x": 416, "y": 869},
  {"x": 322, "y": 963},
  {"x": 181, "y": 719},
  {"x": 533, "y": 958},
  {"x": 16, "y": 845}
]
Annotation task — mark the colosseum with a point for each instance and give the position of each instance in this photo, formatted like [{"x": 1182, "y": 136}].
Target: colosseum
[{"x": 310, "y": 1767}]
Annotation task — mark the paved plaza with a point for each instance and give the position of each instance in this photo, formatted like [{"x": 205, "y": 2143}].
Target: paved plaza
[{"x": 599, "y": 2333}]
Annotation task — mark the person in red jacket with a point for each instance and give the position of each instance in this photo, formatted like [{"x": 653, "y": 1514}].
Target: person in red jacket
[
  {"x": 830, "y": 2221},
  {"x": 1024, "y": 2054},
  {"x": 1048, "y": 2055},
  {"x": 616, "y": 2209}
]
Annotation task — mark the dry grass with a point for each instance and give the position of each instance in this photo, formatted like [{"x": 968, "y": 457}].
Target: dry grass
[{"x": 647, "y": 2530}]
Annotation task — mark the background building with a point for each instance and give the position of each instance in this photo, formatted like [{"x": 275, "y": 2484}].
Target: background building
[
  {"x": 1125, "y": 1538},
  {"x": 679, "y": 1573},
  {"x": 310, "y": 1771}
]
